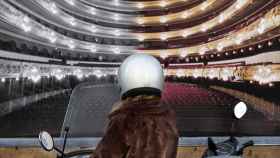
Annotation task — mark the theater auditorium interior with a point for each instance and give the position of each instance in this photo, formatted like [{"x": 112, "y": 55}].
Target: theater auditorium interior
[{"x": 59, "y": 62}]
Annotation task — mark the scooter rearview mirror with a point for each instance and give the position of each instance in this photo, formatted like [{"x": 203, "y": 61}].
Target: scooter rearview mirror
[{"x": 46, "y": 141}]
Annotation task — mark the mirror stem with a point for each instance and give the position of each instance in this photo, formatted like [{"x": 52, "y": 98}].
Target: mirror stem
[
  {"x": 65, "y": 138},
  {"x": 59, "y": 151}
]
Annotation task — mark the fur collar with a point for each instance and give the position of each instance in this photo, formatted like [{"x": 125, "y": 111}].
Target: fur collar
[{"x": 135, "y": 102}]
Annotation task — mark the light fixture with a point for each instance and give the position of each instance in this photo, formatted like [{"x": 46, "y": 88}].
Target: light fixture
[
  {"x": 261, "y": 27},
  {"x": 116, "y": 17},
  {"x": 93, "y": 11},
  {"x": 196, "y": 73},
  {"x": 221, "y": 18},
  {"x": 204, "y": 5},
  {"x": 163, "y": 3},
  {"x": 26, "y": 19},
  {"x": 240, "y": 3},
  {"x": 163, "y": 37},
  {"x": 53, "y": 8},
  {"x": 226, "y": 74},
  {"x": 238, "y": 39},
  {"x": 93, "y": 49},
  {"x": 163, "y": 54},
  {"x": 98, "y": 74},
  {"x": 100, "y": 58},
  {"x": 264, "y": 75},
  {"x": 183, "y": 53},
  {"x": 186, "y": 33},
  {"x": 71, "y": 44},
  {"x": 117, "y": 33},
  {"x": 34, "y": 74},
  {"x": 93, "y": 29},
  {"x": 141, "y": 38},
  {"x": 58, "y": 74},
  {"x": 71, "y": 2},
  {"x": 204, "y": 28},
  {"x": 212, "y": 73},
  {"x": 180, "y": 73},
  {"x": 237, "y": 6},
  {"x": 163, "y": 19},
  {"x": 185, "y": 15},
  {"x": 220, "y": 47},
  {"x": 203, "y": 50},
  {"x": 117, "y": 51},
  {"x": 78, "y": 73},
  {"x": 140, "y": 5},
  {"x": 140, "y": 21},
  {"x": 72, "y": 21},
  {"x": 25, "y": 24},
  {"x": 26, "y": 28},
  {"x": 52, "y": 37}
]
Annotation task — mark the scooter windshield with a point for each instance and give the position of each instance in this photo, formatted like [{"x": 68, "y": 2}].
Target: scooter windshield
[{"x": 88, "y": 108}]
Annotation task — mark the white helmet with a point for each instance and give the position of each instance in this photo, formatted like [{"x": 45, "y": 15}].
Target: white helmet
[{"x": 140, "y": 74}]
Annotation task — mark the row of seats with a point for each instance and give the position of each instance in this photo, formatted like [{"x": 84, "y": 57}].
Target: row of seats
[
  {"x": 200, "y": 112},
  {"x": 195, "y": 96},
  {"x": 267, "y": 92}
]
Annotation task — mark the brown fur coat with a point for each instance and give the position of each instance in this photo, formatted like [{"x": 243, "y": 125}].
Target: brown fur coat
[{"x": 139, "y": 127}]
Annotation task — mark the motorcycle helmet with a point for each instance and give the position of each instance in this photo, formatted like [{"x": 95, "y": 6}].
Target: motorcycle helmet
[{"x": 140, "y": 74}]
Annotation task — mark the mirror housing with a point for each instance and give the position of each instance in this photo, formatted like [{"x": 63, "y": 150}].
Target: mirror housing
[
  {"x": 240, "y": 110},
  {"x": 46, "y": 141}
]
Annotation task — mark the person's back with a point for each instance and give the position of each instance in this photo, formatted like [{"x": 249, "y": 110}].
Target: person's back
[
  {"x": 140, "y": 128},
  {"x": 140, "y": 125}
]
